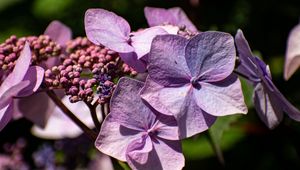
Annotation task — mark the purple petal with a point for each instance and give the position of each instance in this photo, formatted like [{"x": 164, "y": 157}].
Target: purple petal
[
  {"x": 58, "y": 32},
  {"x": 173, "y": 16},
  {"x": 247, "y": 64},
  {"x": 55, "y": 127},
  {"x": 35, "y": 75},
  {"x": 40, "y": 113},
  {"x": 269, "y": 109},
  {"x": 112, "y": 135},
  {"x": 106, "y": 28},
  {"x": 221, "y": 98},
  {"x": 286, "y": 106},
  {"x": 141, "y": 40},
  {"x": 177, "y": 101},
  {"x": 137, "y": 116},
  {"x": 6, "y": 113},
  {"x": 166, "y": 127},
  {"x": 166, "y": 100},
  {"x": 13, "y": 91},
  {"x": 211, "y": 56},
  {"x": 19, "y": 71},
  {"x": 292, "y": 56},
  {"x": 138, "y": 150},
  {"x": 166, "y": 155},
  {"x": 132, "y": 60},
  {"x": 167, "y": 65}
]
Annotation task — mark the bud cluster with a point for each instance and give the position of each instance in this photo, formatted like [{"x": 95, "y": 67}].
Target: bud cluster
[
  {"x": 87, "y": 68},
  {"x": 42, "y": 48}
]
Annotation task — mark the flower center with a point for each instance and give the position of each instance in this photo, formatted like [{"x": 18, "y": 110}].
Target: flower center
[{"x": 195, "y": 82}]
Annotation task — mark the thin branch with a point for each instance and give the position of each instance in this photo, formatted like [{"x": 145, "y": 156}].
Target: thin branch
[
  {"x": 102, "y": 111},
  {"x": 92, "y": 108},
  {"x": 67, "y": 112}
]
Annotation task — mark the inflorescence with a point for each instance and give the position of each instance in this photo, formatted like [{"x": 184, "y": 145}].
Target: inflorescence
[{"x": 87, "y": 68}]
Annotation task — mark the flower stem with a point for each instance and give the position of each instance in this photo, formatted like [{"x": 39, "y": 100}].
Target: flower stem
[
  {"x": 92, "y": 108},
  {"x": 68, "y": 113},
  {"x": 103, "y": 112}
]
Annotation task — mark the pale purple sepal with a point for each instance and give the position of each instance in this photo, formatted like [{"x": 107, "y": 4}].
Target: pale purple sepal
[
  {"x": 269, "y": 102},
  {"x": 173, "y": 16},
  {"x": 183, "y": 75},
  {"x": 292, "y": 56},
  {"x": 22, "y": 81},
  {"x": 108, "y": 29},
  {"x": 59, "y": 32},
  {"x": 143, "y": 137}
]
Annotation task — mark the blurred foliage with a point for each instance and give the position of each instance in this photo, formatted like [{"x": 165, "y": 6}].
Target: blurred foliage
[{"x": 245, "y": 142}]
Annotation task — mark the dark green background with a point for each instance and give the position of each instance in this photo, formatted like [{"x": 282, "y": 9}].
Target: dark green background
[{"x": 246, "y": 143}]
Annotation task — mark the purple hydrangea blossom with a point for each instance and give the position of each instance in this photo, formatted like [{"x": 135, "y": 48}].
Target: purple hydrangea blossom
[
  {"x": 106, "y": 28},
  {"x": 269, "y": 102},
  {"x": 59, "y": 33},
  {"x": 292, "y": 57},
  {"x": 193, "y": 80},
  {"x": 22, "y": 81},
  {"x": 173, "y": 16},
  {"x": 135, "y": 133}
]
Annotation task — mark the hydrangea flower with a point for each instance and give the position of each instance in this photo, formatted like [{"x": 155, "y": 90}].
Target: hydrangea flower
[
  {"x": 22, "y": 81},
  {"x": 59, "y": 33},
  {"x": 135, "y": 133},
  {"x": 173, "y": 16},
  {"x": 193, "y": 80},
  {"x": 292, "y": 57},
  {"x": 106, "y": 28},
  {"x": 269, "y": 102}
]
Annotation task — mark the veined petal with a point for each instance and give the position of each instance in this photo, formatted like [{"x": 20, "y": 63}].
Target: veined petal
[
  {"x": 221, "y": 98},
  {"x": 35, "y": 76},
  {"x": 138, "y": 150},
  {"x": 19, "y": 71},
  {"x": 141, "y": 40},
  {"x": 178, "y": 102},
  {"x": 12, "y": 92},
  {"x": 58, "y": 32},
  {"x": 166, "y": 100},
  {"x": 166, "y": 155},
  {"x": 211, "y": 56},
  {"x": 166, "y": 127},
  {"x": 292, "y": 57},
  {"x": 106, "y": 28},
  {"x": 138, "y": 116},
  {"x": 173, "y": 16},
  {"x": 166, "y": 63},
  {"x": 113, "y": 135},
  {"x": 6, "y": 113},
  {"x": 286, "y": 106},
  {"x": 267, "y": 105},
  {"x": 247, "y": 64},
  {"x": 132, "y": 60}
]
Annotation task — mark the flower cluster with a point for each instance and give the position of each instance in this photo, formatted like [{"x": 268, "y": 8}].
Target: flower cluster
[
  {"x": 86, "y": 66},
  {"x": 42, "y": 48},
  {"x": 187, "y": 79}
]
